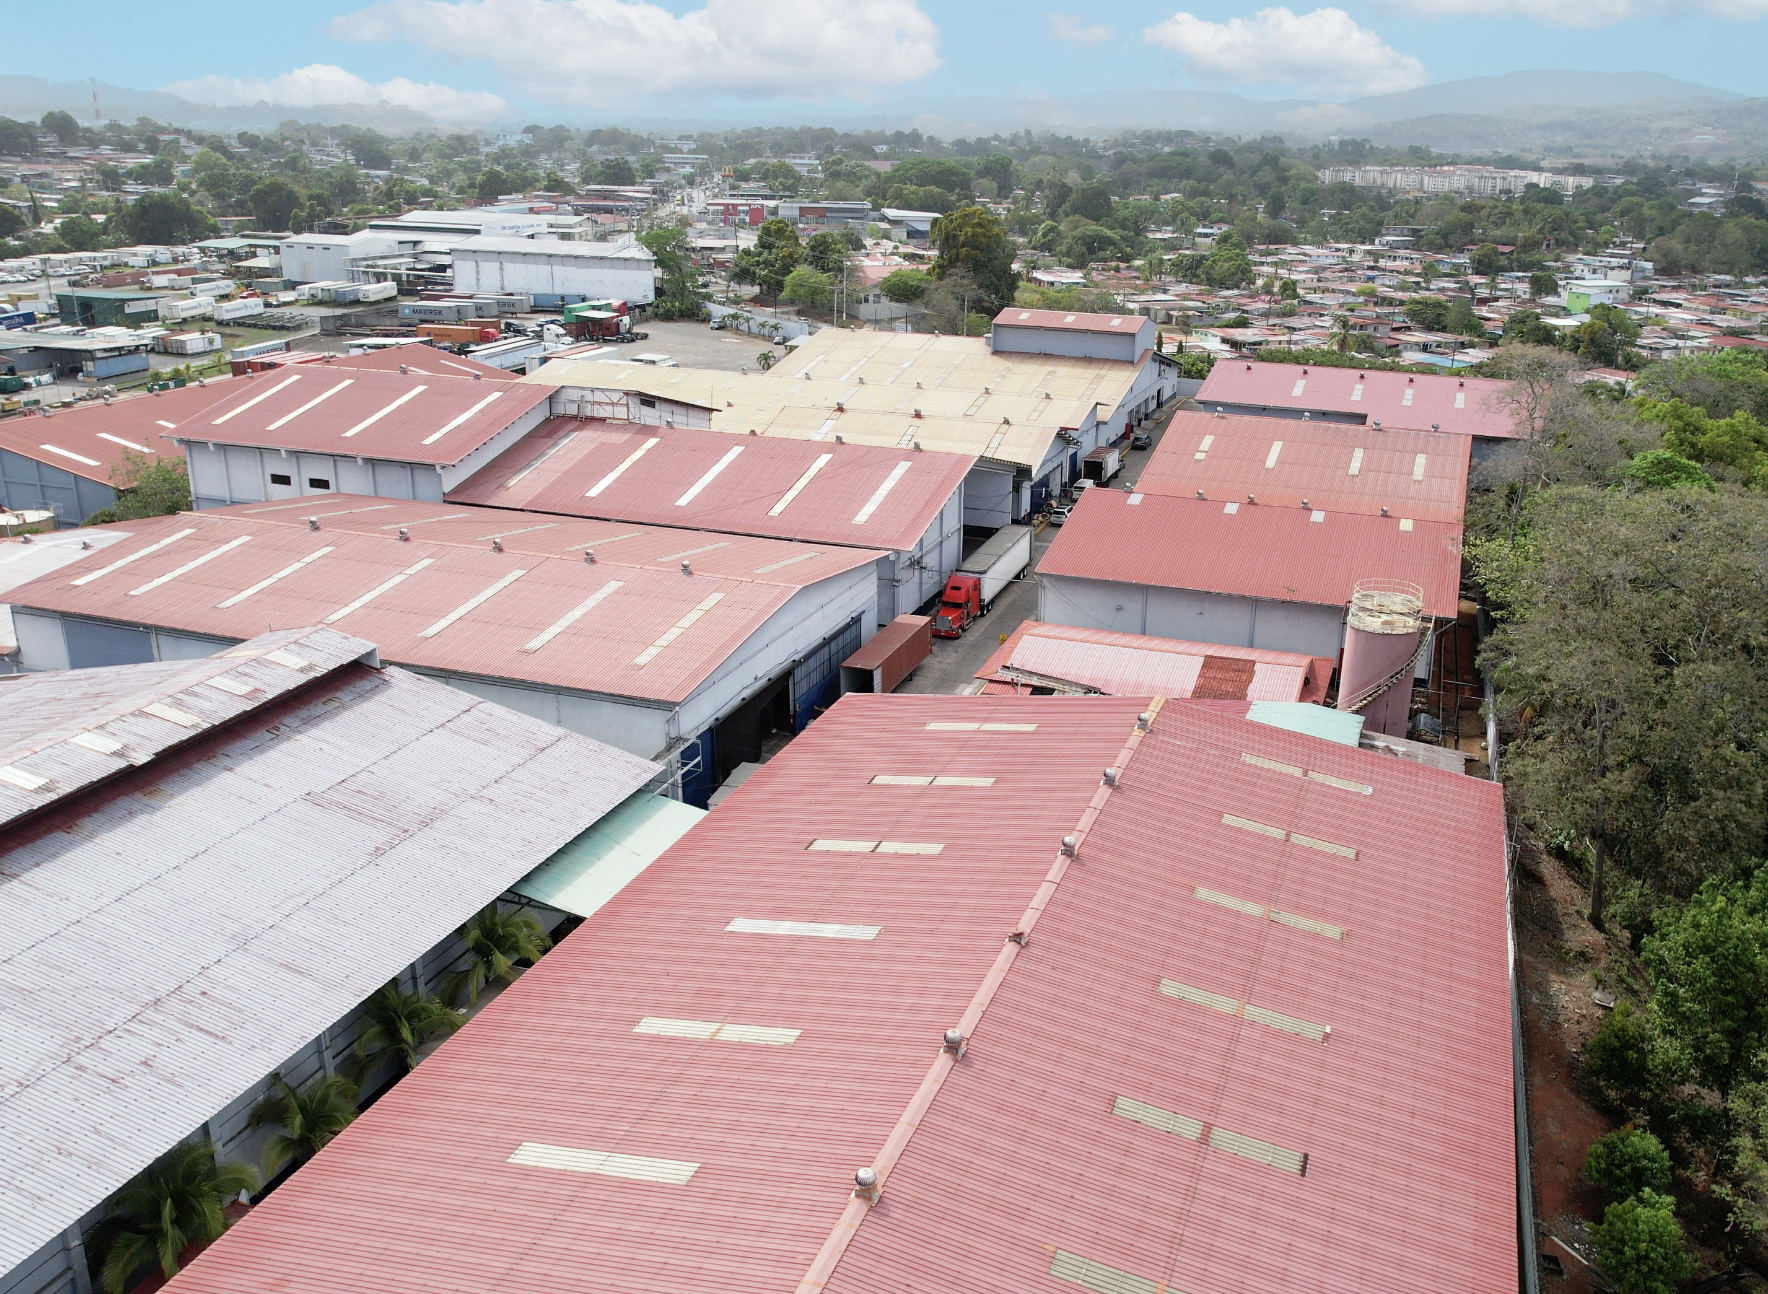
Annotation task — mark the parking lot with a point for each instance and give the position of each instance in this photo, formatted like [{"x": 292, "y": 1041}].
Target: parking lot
[{"x": 694, "y": 345}]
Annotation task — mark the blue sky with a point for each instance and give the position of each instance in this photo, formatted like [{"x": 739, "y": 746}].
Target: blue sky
[{"x": 583, "y": 60}]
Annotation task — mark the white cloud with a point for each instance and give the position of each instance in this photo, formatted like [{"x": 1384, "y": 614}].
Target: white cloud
[
  {"x": 325, "y": 83},
  {"x": 595, "y": 52},
  {"x": 1323, "y": 52},
  {"x": 1072, "y": 29}
]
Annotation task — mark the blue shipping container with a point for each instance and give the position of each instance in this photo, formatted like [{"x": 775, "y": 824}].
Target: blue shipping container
[{"x": 17, "y": 319}]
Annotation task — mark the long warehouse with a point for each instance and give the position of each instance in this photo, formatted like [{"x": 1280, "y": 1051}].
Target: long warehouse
[{"x": 676, "y": 645}]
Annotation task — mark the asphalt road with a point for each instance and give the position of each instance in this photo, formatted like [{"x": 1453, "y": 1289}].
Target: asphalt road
[{"x": 952, "y": 664}]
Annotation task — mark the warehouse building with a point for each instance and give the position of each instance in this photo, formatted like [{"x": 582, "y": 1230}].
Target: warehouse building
[
  {"x": 1040, "y": 659},
  {"x": 207, "y": 866},
  {"x": 66, "y": 461},
  {"x": 906, "y": 502},
  {"x": 94, "y": 356},
  {"x": 310, "y": 429},
  {"x": 690, "y": 649},
  {"x": 932, "y": 919},
  {"x": 1027, "y": 419},
  {"x": 1241, "y": 574},
  {"x": 555, "y": 272},
  {"x": 1478, "y": 407},
  {"x": 1337, "y": 467},
  {"x": 1126, "y": 338}
]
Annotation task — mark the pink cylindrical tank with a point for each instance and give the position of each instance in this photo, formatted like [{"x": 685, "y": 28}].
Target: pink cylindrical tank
[{"x": 1380, "y": 643}]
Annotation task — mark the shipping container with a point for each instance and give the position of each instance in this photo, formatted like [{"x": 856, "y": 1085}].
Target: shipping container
[
  {"x": 243, "y": 309},
  {"x": 114, "y": 365},
  {"x": 435, "y": 311},
  {"x": 214, "y": 288},
  {"x": 17, "y": 319},
  {"x": 456, "y": 334},
  {"x": 1001, "y": 559},
  {"x": 514, "y": 303},
  {"x": 378, "y": 292},
  {"x": 258, "y": 348},
  {"x": 892, "y": 655},
  {"x": 511, "y": 353},
  {"x": 190, "y": 343}
]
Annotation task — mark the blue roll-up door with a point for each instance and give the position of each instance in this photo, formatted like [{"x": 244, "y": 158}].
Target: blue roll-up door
[
  {"x": 699, "y": 769},
  {"x": 91, "y": 645},
  {"x": 816, "y": 680}
]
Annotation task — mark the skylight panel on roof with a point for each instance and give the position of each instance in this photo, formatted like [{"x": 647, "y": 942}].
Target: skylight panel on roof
[
  {"x": 1277, "y": 766},
  {"x": 605, "y": 1163},
  {"x": 1418, "y": 466},
  {"x": 1460, "y": 399},
  {"x": 1101, "y": 1279},
  {"x": 1356, "y": 467},
  {"x": 22, "y": 778},
  {"x": 288, "y": 660},
  {"x": 1154, "y": 1117},
  {"x": 136, "y": 556},
  {"x": 894, "y": 779},
  {"x": 676, "y": 630},
  {"x": 878, "y": 496},
  {"x": 1406, "y": 397},
  {"x": 774, "y": 566},
  {"x": 1357, "y": 391},
  {"x": 1244, "y": 1010},
  {"x": 422, "y": 521},
  {"x": 525, "y": 530},
  {"x": 68, "y": 453},
  {"x": 798, "y": 485},
  {"x": 379, "y": 589},
  {"x": 268, "y": 580},
  {"x": 128, "y": 444},
  {"x": 950, "y": 726},
  {"x": 314, "y": 402},
  {"x": 711, "y": 475},
  {"x": 707, "y": 1030},
  {"x": 189, "y": 566},
  {"x": 1261, "y": 1152},
  {"x": 478, "y": 599},
  {"x": 256, "y": 399},
  {"x": 376, "y": 416},
  {"x": 571, "y": 617},
  {"x": 172, "y": 714},
  {"x": 452, "y": 423},
  {"x": 805, "y": 929},
  {"x": 1300, "y": 383},
  {"x": 1271, "y": 458},
  {"x": 232, "y": 686},
  {"x": 693, "y": 552},
  {"x": 1203, "y": 448},
  {"x": 1406, "y": 524},
  {"x": 96, "y": 742},
  {"x": 1294, "y": 838}
]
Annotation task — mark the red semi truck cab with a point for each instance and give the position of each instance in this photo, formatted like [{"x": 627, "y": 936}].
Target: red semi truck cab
[{"x": 959, "y": 606}]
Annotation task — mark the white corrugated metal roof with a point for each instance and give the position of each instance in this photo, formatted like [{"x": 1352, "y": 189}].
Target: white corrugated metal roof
[{"x": 177, "y": 933}]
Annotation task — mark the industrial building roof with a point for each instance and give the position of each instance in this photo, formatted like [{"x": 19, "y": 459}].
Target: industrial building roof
[
  {"x": 1249, "y": 1031},
  {"x": 618, "y": 630},
  {"x": 411, "y": 418},
  {"x": 93, "y": 440},
  {"x": 1341, "y": 467},
  {"x": 739, "y": 1029},
  {"x": 952, "y": 394},
  {"x": 490, "y": 243},
  {"x": 221, "y": 858},
  {"x": 1469, "y": 406},
  {"x": 1072, "y": 321},
  {"x": 825, "y": 493},
  {"x": 663, "y": 548},
  {"x": 1038, "y": 655},
  {"x": 1257, "y": 1041},
  {"x": 425, "y": 361},
  {"x": 1285, "y": 554}
]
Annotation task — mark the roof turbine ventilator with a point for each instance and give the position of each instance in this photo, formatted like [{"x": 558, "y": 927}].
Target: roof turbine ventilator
[
  {"x": 1070, "y": 847},
  {"x": 865, "y": 1185},
  {"x": 954, "y": 1042}
]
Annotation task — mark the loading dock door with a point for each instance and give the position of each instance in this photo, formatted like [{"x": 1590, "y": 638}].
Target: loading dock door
[{"x": 816, "y": 680}]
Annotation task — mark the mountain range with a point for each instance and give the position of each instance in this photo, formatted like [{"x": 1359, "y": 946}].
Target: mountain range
[{"x": 1558, "y": 113}]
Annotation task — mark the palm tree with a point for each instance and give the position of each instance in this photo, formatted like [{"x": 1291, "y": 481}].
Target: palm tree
[
  {"x": 309, "y": 1117},
  {"x": 174, "y": 1204},
  {"x": 1343, "y": 330},
  {"x": 496, "y": 940},
  {"x": 397, "y": 1024}
]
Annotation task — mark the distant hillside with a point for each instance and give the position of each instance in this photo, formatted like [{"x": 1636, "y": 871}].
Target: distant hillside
[{"x": 27, "y": 98}]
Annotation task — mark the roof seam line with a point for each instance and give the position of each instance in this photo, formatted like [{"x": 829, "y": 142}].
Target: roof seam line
[{"x": 828, "y": 1257}]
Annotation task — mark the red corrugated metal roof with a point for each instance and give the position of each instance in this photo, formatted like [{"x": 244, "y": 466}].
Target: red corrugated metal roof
[
  {"x": 621, "y": 630},
  {"x": 617, "y": 543},
  {"x": 1341, "y": 467},
  {"x": 1405, "y": 1114},
  {"x": 1253, "y": 550},
  {"x": 419, "y": 1194},
  {"x": 1464, "y": 405},
  {"x": 90, "y": 440},
  {"x": 423, "y": 360},
  {"x": 1122, "y": 664},
  {"x": 1070, "y": 321},
  {"x": 767, "y": 485},
  {"x": 411, "y": 418}
]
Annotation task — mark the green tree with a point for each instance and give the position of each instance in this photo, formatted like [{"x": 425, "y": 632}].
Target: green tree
[
  {"x": 974, "y": 241},
  {"x": 1092, "y": 200},
  {"x": 11, "y": 222},
  {"x": 146, "y": 486},
  {"x": 1660, "y": 469},
  {"x": 1343, "y": 333},
  {"x": 932, "y": 173},
  {"x": 273, "y": 203},
  {"x": 496, "y": 941},
  {"x": 827, "y": 249},
  {"x": 1739, "y": 441},
  {"x": 1486, "y": 260},
  {"x": 371, "y": 153},
  {"x": 493, "y": 183},
  {"x": 1618, "y": 1060},
  {"x": 1639, "y": 1245},
  {"x": 17, "y": 139},
  {"x": 1461, "y": 319},
  {"x": 1089, "y": 244},
  {"x": 905, "y": 286},
  {"x": 1542, "y": 283},
  {"x": 1628, "y": 1161},
  {"x": 174, "y": 1204},
  {"x": 80, "y": 233},
  {"x": 396, "y": 1025},
  {"x": 308, "y": 1117},
  {"x": 1709, "y": 968},
  {"x": 682, "y": 298},
  {"x": 616, "y": 171},
  {"x": 998, "y": 168},
  {"x": 776, "y": 254},
  {"x": 807, "y": 287},
  {"x": 163, "y": 219},
  {"x": 1428, "y": 312},
  {"x": 62, "y": 125}
]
